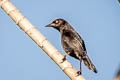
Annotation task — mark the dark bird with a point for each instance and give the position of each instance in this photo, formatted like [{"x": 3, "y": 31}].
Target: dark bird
[{"x": 72, "y": 43}]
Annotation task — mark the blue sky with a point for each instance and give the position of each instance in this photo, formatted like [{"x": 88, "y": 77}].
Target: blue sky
[{"x": 97, "y": 21}]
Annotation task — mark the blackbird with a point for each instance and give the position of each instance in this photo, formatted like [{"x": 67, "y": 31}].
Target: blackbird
[{"x": 72, "y": 43}]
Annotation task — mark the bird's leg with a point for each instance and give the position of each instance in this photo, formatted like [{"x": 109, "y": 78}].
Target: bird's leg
[
  {"x": 64, "y": 57},
  {"x": 79, "y": 72}
]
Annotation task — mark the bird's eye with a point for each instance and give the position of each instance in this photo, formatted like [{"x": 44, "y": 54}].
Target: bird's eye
[{"x": 57, "y": 22}]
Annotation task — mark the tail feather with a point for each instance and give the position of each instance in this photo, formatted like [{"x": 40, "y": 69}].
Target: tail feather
[{"x": 88, "y": 63}]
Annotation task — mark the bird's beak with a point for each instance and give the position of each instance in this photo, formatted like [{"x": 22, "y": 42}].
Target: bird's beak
[{"x": 50, "y": 25}]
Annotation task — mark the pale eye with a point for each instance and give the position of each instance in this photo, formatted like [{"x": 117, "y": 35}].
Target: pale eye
[{"x": 57, "y": 22}]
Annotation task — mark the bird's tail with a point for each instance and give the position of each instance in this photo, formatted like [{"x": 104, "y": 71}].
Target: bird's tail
[{"x": 88, "y": 63}]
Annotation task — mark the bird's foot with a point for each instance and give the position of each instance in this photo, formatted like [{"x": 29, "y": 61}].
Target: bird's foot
[
  {"x": 64, "y": 58},
  {"x": 79, "y": 72}
]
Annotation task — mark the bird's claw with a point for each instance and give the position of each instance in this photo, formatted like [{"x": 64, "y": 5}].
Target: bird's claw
[
  {"x": 64, "y": 57},
  {"x": 79, "y": 72}
]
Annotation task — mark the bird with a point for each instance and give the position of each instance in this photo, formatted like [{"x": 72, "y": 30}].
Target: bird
[{"x": 72, "y": 43}]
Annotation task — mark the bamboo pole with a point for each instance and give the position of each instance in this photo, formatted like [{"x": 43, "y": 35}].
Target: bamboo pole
[{"x": 39, "y": 39}]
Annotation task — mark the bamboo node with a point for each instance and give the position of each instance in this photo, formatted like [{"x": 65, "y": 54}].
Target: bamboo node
[
  {"x": 11, "y": 10},
  {"x": 66, "y": 66},
  {"x": 20, "y": 19},
  {"x": 55, "y": 53},
  {"x": 28, "y": 30},
  {"x": 41, "y": 45}
]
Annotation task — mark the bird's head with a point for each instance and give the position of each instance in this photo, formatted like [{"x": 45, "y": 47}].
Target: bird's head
[{"x": 57, "y": 24}]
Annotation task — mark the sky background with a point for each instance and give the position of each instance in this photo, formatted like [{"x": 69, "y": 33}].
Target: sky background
[{"x": 97, "y": 21}]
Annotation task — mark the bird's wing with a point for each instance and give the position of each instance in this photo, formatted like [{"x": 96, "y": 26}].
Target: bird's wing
[
  {"x": 81, "y": 42},
  {"x": 78, "y": 39},
  {"x": 73, "y": 40}
]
